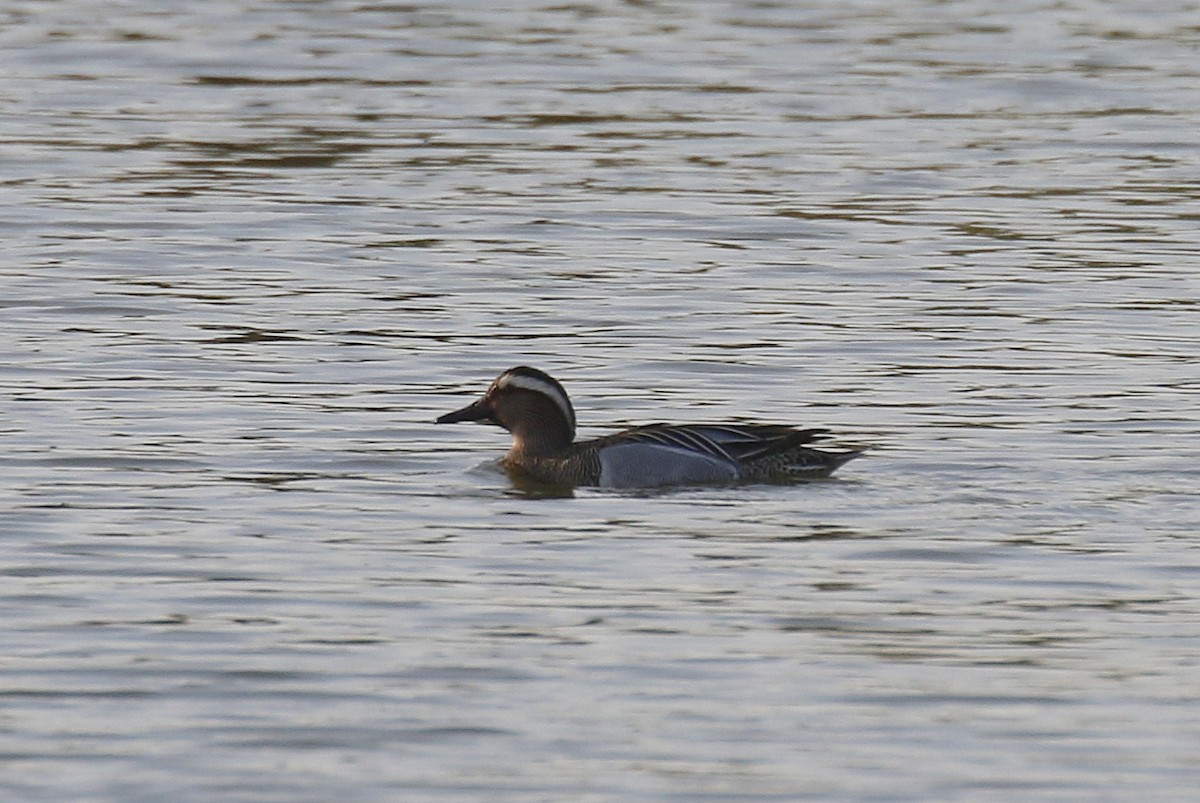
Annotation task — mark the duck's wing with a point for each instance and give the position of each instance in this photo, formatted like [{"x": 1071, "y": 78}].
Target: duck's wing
[
  {"x": 690, "y": 454},
  {"x": 734, "y": 443}
]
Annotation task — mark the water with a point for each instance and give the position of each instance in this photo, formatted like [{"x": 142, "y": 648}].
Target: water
[{"x": 252, "y": 250}]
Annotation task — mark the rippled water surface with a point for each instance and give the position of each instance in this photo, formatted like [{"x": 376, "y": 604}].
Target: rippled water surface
[{"x": 251, "y": 250}]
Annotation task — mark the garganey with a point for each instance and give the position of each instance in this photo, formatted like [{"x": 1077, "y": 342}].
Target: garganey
[{"x": 536, "y": 410}]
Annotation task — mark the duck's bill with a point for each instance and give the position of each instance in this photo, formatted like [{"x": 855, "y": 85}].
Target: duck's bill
[{"x": 478, "y": 411}]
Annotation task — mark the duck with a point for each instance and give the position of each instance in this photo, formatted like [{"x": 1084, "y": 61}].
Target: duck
[{"x": 535, "y": 409}]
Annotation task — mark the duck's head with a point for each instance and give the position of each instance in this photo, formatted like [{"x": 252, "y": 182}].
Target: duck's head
[{"x": 528, "y": 403}]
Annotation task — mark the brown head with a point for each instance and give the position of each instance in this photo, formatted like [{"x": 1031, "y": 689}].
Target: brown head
[{"x": 531, "y": 405}]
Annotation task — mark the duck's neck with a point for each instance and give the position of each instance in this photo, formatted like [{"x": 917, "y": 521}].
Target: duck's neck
[{"x": 541, "y": 441}]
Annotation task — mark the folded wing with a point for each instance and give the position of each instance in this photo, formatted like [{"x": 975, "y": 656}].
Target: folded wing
[{"x": 662, "y": 454}]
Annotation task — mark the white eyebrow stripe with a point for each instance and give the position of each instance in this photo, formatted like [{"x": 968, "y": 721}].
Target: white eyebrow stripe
[{"x": 538, "y": 386}]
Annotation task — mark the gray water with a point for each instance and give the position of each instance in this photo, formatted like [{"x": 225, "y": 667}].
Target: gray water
[{"x": 251, "y": 250}]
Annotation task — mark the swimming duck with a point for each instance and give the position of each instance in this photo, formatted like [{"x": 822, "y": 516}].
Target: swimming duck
[{"x": 533, "y": 406}]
